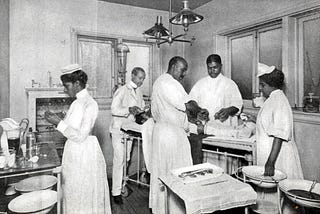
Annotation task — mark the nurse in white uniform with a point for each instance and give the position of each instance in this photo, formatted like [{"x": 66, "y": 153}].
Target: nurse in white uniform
[
  {"x": 85, "y": 185},
  {"x": 276, "y": 148},
  {"x": 275, "y": 144}
]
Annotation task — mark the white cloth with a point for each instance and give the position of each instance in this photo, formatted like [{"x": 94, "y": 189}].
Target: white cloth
[
  {"x": 214, "y": 94},
  {"x": 126, "y": 96},
  {"x": 8, "y": 125},
  {"x": 85, "y": 185},
  {"x": 146, "y": 132},
  {"x": 222, "y": 193},
  {"x": 170, "y": 145},
  {"x": 275, "y": 120}
]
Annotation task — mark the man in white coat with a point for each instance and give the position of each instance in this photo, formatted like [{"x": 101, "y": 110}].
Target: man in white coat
[
  {"x": 127, "y": 102},
  {"x": 171, "y": 148},
  {"x": 220, "y": 96}
]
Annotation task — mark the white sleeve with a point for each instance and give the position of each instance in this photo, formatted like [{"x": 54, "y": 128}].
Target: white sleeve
[
  {"x": 194, "y": 93},
  {"x": 280, "y": 125},
  {"x": 175, "y": 95},
  {"x": 234, "y": 97},
  {"x": 116, "y": 107},
  {"x": 78, "y": 135}
]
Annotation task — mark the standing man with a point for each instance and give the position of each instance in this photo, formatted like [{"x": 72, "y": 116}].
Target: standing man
[
  {"x": 220, "y": 96},
  {"x": 127, "y": 102},
  {"x": 171, "y": 148}
]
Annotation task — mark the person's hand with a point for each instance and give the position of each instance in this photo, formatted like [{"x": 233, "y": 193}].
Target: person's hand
[
  {"x": 269, "y": 169},
  {"x": 200, "y": 128},
  {"x": 248, "y": 117},
  {"x": 222, "y": 115},
  {"x": 61, "y": 114},
  {"x": 146, "y": 107},
  {"x": 203, "y": 115},
  {"x": 52, "y": 117},
  {"x": 134, "y": 110}
]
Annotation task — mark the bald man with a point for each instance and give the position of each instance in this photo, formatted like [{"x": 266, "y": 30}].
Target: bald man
[
  {"x": 126, "y": 103},
  {"x": 171, "y": 148}
]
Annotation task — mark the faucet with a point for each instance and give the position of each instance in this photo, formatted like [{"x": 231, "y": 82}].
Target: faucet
[{"x": 34, "y": 83}]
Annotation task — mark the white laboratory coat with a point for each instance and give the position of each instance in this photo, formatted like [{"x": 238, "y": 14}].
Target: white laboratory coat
[
  {"x": 275, "y": 120},
  {"x": 123, "y": 98},
  {"x": 85, "y": 185},
  {"x": 170, "y": 146},
  {"x": 214, "y": 94}
]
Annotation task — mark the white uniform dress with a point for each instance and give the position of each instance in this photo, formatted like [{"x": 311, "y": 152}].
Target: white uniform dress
[
  {"x": 126, "y": 96},
  {"x": 171, "y": 148},
  {"x": 214, "y": 94},
  {"x": 275, "y": 120},
  {"x": 85, "y": 184}
]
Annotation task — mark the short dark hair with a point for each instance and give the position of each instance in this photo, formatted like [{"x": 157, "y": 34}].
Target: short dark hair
[
  {"x": 213, "y": 58},
  {"x": 174, "y": 60},
  {"x": 136, "y": 70},
  {"x": 78, "y": 75},
  {"x": 274, "y": 79}
]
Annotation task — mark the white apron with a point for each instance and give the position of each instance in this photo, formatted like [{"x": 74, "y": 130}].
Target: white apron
[{"x": 84, "y": 177}]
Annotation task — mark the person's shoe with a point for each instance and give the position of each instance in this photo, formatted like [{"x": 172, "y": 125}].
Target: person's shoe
[{"x": 118, "y": 199}]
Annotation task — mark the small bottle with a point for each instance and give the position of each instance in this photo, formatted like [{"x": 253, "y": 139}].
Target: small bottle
[
  {"x": 2, "y": 159},
  {"x": 30, "y": 142}
]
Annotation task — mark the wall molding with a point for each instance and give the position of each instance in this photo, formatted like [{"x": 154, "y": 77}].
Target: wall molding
[
  {"x": 298, "y": 116},
  {"x": 273, "y": 17}
]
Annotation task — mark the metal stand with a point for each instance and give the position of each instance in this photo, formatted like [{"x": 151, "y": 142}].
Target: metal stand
[{"x": 126, "y": 138}]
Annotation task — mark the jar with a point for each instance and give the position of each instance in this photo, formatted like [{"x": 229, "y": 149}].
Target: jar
[{"x": 311, "y": 103}]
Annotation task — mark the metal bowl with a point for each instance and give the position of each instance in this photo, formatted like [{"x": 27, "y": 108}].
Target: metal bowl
[
  {"x": 34, "y": 202},
  {"x": 35, "y": 183},
  {"x": 254, "y": 174},
  {"x": 299, "y": 184}
]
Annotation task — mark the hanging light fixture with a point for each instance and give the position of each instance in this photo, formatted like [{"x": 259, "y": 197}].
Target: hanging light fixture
[
  {"x": 157, "y": 30},
  {"x": 162, "y": 35},
  {"x": 186, "y": 17}
]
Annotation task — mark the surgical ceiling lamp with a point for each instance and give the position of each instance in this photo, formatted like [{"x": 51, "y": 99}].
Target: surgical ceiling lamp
[
  {"x": 186, "y": 17},
  {"x": 162, "y": 35}
]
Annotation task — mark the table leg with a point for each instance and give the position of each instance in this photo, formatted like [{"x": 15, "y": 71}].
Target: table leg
[
  {"x": 59, "y": 193},
  {"x": 125, "y": 161},
  {"x": 279, "y": 200},
  {"x": 57, "y": 171},
  {"x": 246, "y": 210}
]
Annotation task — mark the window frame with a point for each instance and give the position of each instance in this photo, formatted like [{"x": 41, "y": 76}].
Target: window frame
[
  {"x": 301, "y": 57},
  {"x": 255, "y": 32}
]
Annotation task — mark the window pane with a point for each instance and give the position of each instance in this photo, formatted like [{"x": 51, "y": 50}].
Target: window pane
[
  {"x": 96, "y": 60},
  {"x": 241, "y": 64},
  {"x": 270, "y": 51},
  {"x": 139, "y": 56},
  {"x": 311, "y": 38}
]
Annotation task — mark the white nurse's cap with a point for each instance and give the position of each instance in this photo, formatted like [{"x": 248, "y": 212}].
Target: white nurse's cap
[
  {"x": 70, "y": 68},
  {"x": 264, "y": 69}
]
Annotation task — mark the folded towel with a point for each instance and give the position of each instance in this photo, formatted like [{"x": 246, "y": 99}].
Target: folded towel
[{"x": 146, "y": 132}]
